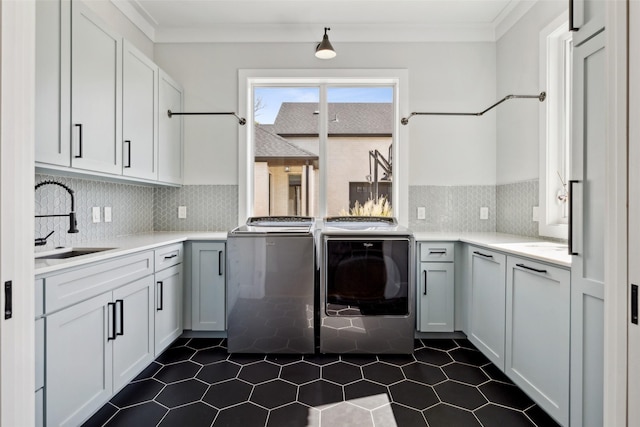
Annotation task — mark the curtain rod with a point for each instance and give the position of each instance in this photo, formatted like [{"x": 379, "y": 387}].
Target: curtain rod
[
  {"x": 541, "y": 97},
  {"x": 241, "y": 120}
]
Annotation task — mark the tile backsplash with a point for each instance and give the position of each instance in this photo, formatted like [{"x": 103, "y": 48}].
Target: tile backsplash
[
  {"x": 452, "y": 208},
  {"x": 209, "y": 208},
  {"x": 141, "y": 209},
  {"x": 131, "y": 210}
]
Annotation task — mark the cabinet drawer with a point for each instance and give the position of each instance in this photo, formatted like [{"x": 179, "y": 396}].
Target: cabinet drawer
[
  {"x": 436, "y": 252},
  {"x": 39, "y": 353},
  {"x": 167, "y": 256},
  {"x": 77, "y": 285}
]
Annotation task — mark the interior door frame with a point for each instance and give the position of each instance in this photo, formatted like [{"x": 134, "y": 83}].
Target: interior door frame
[{"x": 616, "y": 231}]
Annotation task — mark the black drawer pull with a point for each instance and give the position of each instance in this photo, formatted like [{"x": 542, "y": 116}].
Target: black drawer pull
[
  {"x": 170, "y": 256},
  {"x": 537, "y": 270},
  {"x": 161, "y": 296},
  {"x": 438, "y": 252},
  {"x": 481, "y": 254},
  {"x": 424, "y": 272},
  {"x": 112, "y": 333},
  {"x": 220, "y": 263},
  {"x": 121, "y": 302}
]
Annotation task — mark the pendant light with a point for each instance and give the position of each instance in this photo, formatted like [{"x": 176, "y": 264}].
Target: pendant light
[{"x": 324, "y": 50}]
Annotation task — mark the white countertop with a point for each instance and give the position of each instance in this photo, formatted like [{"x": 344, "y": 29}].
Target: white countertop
[
  {"x": 530, "y": 247},
  {"x": 123, "y": 246},
  {"x": 538, "y": 249}
]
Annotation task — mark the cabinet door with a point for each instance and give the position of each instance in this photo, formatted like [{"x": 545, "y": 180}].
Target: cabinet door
[
  {"x": 168, "y": 307},
  {"x": 79, "y": 361},
  {"x": 170, "y": 156},
  {"x": 436, "y": 297},
  {"x": 208, "y": 292},
  {"x": 96, "y": 93},
  {"x": 488, "y": 297},
  {"x": 52, "y": 133},
  {"x": 139, "y": 114},
  {"x": 588, "y": 18},
  {"x": 133, "y": 346},
  {"x": 537, "y": 333},
  {"x": 588, "y": 206}
]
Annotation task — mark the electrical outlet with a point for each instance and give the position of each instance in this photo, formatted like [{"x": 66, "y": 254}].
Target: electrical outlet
[
  {"x": 182, "y": 212},
  {"x": 484, "y": 212},
  {"x": 107, "y": 214},
  {"x": 422, "y": 212},
  {"x": 95, "y": 213},
  {"x": 534, "y": 214}
]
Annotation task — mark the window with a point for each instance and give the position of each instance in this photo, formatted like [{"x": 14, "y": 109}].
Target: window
[
  {"x": 555, "y": 129},
  {"x": 320, "y": 146}
]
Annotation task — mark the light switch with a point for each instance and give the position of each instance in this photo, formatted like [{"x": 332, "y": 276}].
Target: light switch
[
  {"x": 422, "y": 212},
  {"x": 484, "y": 212},
  {"x": 95, "y": 213},
  {"x": 107, "y": 214},
  {"x": 182, "y": 212}
]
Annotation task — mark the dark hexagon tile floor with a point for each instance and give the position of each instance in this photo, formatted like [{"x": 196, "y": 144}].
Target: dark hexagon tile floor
[{"x": 446, "y": 382}]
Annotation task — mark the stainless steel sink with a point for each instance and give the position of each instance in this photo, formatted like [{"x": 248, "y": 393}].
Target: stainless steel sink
[{"x": 69, "y": 253}]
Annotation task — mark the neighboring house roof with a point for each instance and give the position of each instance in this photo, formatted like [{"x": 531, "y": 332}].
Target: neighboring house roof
[
  {"x": 349, "y": 118},
  {"x": 268, "y": 144}
]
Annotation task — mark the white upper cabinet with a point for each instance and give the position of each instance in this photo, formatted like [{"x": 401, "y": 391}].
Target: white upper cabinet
[
  {"x": 96, "y": 93},
  {"x": 587, "y": 18},
  {"x": 140, "y": 112},
  {"x": 170, "y": 159},
  {"x": 53, "y": 24}
]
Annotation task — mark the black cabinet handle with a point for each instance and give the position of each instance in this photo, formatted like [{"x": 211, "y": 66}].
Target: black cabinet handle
[
  {"x": 424, "y": 273},
  {"x": 128, "y": 142},
  {"x": 481, "y": 254},
  {"x": 220, "y": 263},
  {"x": 79, "y": 155},
  {"x": 112, "y": 333},
  {"x": 570, "y": 219},
  {"x": 170, "y": 256},
  {"x": 440, "y": 252},
  {"x": 121, "y": 302},
  {"x": 161, "y": 289},
  {"x": 571, "y": 25},
  {"x": 537, "y": 270}
]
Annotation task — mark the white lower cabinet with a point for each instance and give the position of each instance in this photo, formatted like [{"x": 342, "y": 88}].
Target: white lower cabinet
[
  {"x": 435, "y": 292},
  {"x": 488, "y": 298},
  {"x": 168, "y": 307},
  {"x": 537, "y": 340},
  {"x": 208, "y": 286},
  {"x": 79, "y": 361}
]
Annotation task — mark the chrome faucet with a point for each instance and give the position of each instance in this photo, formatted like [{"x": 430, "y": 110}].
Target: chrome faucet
[{"x": 73, "y": 223}]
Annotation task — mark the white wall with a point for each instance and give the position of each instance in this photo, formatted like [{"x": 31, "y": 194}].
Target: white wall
[
  {"x": 518, "y": 73},
  {"x": 442, "y": 77}
]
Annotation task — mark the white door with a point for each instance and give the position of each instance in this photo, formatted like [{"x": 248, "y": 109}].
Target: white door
[
  {"x": 17, "y": 84},
  {"x": 488, "y": 297},
  {"x": 133, "y": 346},
  {"x": 436, "y": 295},
  {"x": 208, "y": 281},
  {"x": 168, "y": 307},
  {"x": 139, "y": 112},
  {"x": 587, "y": 223},
  {"x": 79, "y": 345},
  {"x": 170, "y": 131},
  {"x": 96, "y": 93}
]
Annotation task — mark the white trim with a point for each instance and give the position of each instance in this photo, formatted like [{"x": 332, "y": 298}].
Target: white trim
[
  {"x": 616, "y": 237},
  {"x": 143, "y": 21},
  {"x": 511, "y": 15},
  {"x": 549, "y": 131},
  {"x": 17, "y": 107},
  {"x": 397, "y": 77}
]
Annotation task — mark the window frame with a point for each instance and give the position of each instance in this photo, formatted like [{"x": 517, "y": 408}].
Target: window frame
[
  {"x": 398, "y": 78},
  {"x": 555, "y": 125}
]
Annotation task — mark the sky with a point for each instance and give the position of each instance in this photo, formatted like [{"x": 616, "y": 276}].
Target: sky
[{"x": 272, "y": 97}]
